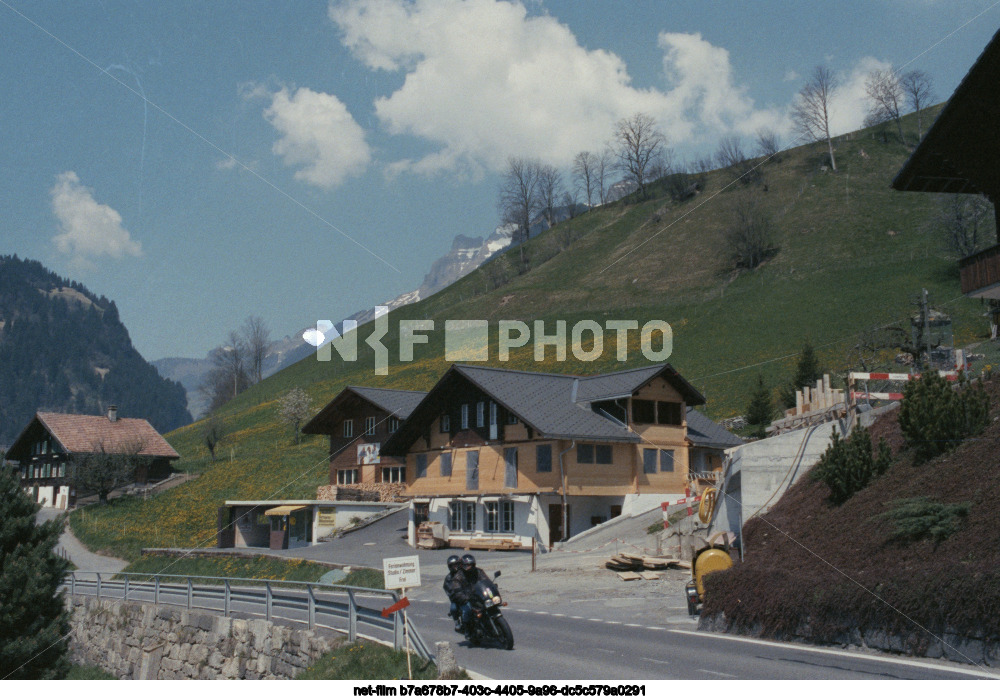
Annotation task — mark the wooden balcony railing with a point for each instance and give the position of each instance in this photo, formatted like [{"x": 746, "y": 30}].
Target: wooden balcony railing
[{"x": 980, "y": 273}]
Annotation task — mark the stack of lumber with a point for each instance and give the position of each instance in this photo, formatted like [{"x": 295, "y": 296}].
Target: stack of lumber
[{"x": 635, "y": 567}]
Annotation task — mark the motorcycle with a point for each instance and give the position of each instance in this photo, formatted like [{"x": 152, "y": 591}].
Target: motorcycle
[{"x": 488, "y": 623}]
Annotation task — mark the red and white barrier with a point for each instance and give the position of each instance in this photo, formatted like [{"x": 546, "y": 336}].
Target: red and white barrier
[{"x": 688, "y": 500}]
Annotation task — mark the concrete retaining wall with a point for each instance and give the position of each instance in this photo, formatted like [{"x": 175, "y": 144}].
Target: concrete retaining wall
[{"x": 143, "y": 641}]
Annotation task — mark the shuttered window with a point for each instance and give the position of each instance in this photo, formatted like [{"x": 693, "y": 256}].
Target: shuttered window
[
  {"x": 543, "y": 458},
  {"x": 421, "y": 465},
  {"x": 472, "y": 471},
  {"x": 649, "y": 461},
  {"x": 510, "y": 468},
  {"x": 602, "y": 454},
  {"x": 666, "y": 460},
  {"x": 446, "y": 464}
]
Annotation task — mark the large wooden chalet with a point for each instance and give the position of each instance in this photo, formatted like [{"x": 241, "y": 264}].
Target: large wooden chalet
[
  {"x": 958, "y": 155},
  {"x": 514, "y": 456},
  {"x": 46, "y": 448}
]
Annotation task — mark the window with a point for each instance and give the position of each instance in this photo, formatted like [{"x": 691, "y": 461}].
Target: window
[
  {"x": 421, "y": 465},
  {"x": 493, "y": 413},
  {"x": 584, "y": 454},
  {"x": 46, "y": 471},
  {"x": 507, "y": 516},
  {"x": 543, "y": 458},
  {"x": 348, "y": 428},
  {"x": 649, "y": 461},
  {"x": 668, "y": 413},
  {"x": 465, "y": 416},
  {"x": 393, "y": 424},
  {"x": 346, "y": 477},
  {"x": 445, "y": 423},
  {"x": 511, "y": 419},
  {"x": 666, "y": 460},
  {"x": 370, "y": 425},
  {"x": 480, "y": 414},
  {"x": 393, "y": 475},
  {"x": 510, "y": 468},
  {"x": 446, "y": 464},
  {"x": 602, "y": 454},
  {"x": 472, "y": 470},
  {"x": 24, "y": 472},
  {"x": 462, "y": 517},
  {"x": 643, "y": 411},
  {"x": 62, "y": 470},
  {"x": 492, "y": 516}
]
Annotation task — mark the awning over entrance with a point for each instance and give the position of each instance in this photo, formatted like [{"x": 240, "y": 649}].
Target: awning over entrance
[{"x": 284, "y": 510}]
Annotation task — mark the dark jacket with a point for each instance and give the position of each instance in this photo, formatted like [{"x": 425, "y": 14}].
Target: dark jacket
[{"x": 456, "y": 588}]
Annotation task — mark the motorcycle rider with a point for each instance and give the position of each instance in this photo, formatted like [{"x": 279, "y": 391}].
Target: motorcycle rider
[{"x": 454, "y": 585}]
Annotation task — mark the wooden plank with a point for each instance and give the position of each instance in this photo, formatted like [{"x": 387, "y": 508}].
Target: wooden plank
[
  {"x": 629, "y": 576},
  {"x": 649, "y": 576}
]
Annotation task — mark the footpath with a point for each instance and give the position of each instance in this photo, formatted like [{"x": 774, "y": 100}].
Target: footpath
[{"x": 83, "y": 558}]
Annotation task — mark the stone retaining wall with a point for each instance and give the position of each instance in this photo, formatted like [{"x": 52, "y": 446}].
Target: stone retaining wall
[{"x": 144, "y": 641}]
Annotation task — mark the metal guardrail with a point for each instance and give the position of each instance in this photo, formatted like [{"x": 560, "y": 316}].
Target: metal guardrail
[{"x": 318, "y": 605}]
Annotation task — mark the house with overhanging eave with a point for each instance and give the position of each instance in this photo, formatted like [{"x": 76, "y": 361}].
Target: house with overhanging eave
[
  {"x": 47, "y": 450},
  {"x": 503, "y": 457},
  {"x": 358, "y": 420}
]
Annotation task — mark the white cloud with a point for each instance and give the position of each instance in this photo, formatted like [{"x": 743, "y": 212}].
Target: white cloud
[
  {"x": 483, "y": 79},
  {"x": 317, "y": 134},
  {"x": 791, "y": 76},
  {"x": 848, "y": 105},
  {"x": 88, "y": 230}
]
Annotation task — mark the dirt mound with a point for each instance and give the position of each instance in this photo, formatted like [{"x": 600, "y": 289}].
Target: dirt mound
[{"x": 818, "y": 571}]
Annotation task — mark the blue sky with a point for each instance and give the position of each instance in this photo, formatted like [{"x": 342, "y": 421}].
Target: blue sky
[{"x": 302, "y": 160}]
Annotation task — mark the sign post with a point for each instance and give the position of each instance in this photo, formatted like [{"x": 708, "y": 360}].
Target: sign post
[{"x": 403, "y": 572}]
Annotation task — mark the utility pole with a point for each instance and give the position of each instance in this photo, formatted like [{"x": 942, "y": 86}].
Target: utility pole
[{"x": 927, "y": 327}]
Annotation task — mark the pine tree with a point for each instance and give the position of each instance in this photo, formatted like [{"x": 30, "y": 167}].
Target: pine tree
[
  {"x": 33, "y": 619},
  {"x": 760, "y": 410},
  {"x": 934, "y": 418},
  {"x": 807, "y": 371},
  {"x": 849, "y": 465}
]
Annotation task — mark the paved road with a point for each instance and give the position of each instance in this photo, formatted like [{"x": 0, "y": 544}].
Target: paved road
[{"x": 84, "y": 559}]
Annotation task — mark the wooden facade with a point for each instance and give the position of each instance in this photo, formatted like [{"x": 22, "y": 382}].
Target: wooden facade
[{"x": 357, "y": 427}]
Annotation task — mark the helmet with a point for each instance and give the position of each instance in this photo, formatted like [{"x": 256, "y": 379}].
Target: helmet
[
  {"x": 454, "y": 563},
  {"x": 468, "y": 562}
]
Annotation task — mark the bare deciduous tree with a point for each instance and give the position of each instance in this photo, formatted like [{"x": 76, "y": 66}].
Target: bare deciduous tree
[
  {"x": 749, "y": 235},
  {"x": 811, "y": 111},
  {"x": 967, "y": 223},
  {"x": 518, "y": 199},
  {"x": 213, "y": 433},
  {"x": 228, "y": 376},
  {"x": 257, "y": 338},
  {"x": 638, "y": 145},
  {"x": 550, "y": 192},
  {"x": 731, "y": 156},
  {"x": 294, "y": 408},
  {"x": 919, "y": 92},
  {"x": 602, "y": 171},
  {"x": 108, "y": 467},
  {"x": 584, "y": 174},
  {"x": 885, "y": 95},
  {"x": 768, "y": 145}
]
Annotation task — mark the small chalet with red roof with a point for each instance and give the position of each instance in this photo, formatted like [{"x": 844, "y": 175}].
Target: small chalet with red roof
[{"x": 46, "y": 448}]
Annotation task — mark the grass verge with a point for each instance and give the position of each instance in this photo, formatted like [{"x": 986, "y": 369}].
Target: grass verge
[
  {"x": 88, "y": 673},
  {"x": 229, "y": 567},
  {"x": 369, "y": 661}
]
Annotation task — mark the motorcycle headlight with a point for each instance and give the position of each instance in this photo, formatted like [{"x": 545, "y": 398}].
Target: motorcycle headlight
[{"x": 490, "y": 602}]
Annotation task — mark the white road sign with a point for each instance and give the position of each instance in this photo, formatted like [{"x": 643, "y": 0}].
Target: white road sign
[{"x": 401, "y": 572}]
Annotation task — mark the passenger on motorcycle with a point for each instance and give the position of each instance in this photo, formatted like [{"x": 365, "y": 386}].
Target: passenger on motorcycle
[{"x": 454, "y": 583}]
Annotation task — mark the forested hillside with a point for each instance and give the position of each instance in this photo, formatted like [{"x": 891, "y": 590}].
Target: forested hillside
[{"x": 64, "y": 349}]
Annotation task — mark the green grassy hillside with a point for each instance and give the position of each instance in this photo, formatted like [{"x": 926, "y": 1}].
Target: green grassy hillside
[{"x": 851, "y": 253}]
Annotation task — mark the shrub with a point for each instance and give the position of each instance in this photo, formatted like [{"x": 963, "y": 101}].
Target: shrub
[
  {"x": 934, "y": 418},
  {"x": 849, "y": 465},
  {"x": 922, "y": 518}
]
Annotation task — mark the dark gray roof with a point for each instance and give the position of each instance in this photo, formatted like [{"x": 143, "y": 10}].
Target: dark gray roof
[
  {"x": 545, "y": 402},
  {"x": 624, "y": 383},
  {"x": 702, "y": 431},
  {"x": 398, "y": 402}
]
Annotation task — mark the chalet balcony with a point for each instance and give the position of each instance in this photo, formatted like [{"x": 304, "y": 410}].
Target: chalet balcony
[{"x": 980, "y": 274}]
